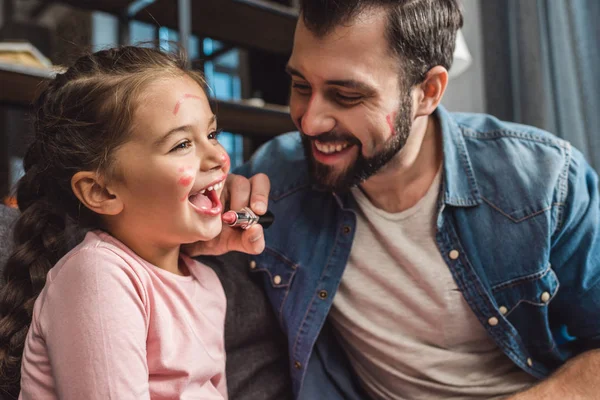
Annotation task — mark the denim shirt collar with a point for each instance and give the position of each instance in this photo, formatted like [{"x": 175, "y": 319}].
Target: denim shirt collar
[{"x": 460, "y": 185}]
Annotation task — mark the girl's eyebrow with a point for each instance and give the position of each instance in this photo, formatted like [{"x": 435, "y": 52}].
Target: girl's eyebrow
[{"x": 183, "y": 128}]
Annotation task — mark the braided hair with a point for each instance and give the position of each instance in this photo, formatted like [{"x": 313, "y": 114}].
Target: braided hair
[{"x": 82, "y": 117}]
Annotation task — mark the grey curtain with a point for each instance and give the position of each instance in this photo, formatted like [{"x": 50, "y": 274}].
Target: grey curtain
[{"x": 542, "y": 65}]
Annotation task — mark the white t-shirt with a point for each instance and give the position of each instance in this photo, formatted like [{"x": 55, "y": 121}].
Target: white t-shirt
[{"x": 402, "y": 320}]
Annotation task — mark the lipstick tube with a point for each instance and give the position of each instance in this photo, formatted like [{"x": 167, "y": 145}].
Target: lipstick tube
[{"x": 245, "y": 218}]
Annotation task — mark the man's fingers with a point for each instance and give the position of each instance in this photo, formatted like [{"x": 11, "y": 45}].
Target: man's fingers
[
  {"x": 239, "y": 192},
  {"x": 253, "y": 240},
  {"x": 259, "y": 198},
  {"x": 250, "y": 241}
]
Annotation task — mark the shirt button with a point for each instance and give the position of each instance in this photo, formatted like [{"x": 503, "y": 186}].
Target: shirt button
[
  {"x": 453, "y": 254},
  {"x": 530, "y": 362},
  {"x": 323, "y": 294},
  {"x": 252, "y": 264},
  {"x": 545, "y": 297},
  {"x": 347, "y": 229},
  {"x": 277, "y": 279},
  {"x": 297, "y": 365},
  {"x": 503, "y": 310},
  {"x": 493, "y": 321}
]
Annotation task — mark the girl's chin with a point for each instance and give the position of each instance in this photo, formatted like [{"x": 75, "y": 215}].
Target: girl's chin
[{"x": 208, "y": 232}]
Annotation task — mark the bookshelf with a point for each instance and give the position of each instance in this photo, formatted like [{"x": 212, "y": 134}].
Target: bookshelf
[
  {"x": 21, "y": 84},
  {"x": 257, "y": 24}
]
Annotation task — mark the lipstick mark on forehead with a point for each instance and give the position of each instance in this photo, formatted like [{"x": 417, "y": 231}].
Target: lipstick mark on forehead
[
  {"x": 184, "y": 98},
  {"x": 391, "y": 120}
]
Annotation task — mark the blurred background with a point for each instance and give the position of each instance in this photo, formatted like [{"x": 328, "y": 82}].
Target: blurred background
[{"x": 528, "y": 61}]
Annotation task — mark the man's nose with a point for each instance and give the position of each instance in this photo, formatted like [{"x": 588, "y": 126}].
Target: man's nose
[{"x": 317, "y": 118}]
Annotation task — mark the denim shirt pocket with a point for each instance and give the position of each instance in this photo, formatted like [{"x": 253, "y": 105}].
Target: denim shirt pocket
[
  {"x": 524, "y": 303},
  {"x": 277, "y": 274}
]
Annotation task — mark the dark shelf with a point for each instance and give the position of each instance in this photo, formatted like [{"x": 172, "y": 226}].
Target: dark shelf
[
  {"x": 256, "y": 24},
  {"x": 21, "y": 84}
]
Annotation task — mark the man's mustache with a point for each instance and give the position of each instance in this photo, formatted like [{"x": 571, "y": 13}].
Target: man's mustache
[{"x": 332, "y": 136}]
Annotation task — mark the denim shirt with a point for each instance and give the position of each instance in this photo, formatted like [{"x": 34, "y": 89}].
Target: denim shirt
[{"x": 517, "y": 225}]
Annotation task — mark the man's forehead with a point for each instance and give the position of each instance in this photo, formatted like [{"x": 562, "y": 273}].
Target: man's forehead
[
  {"x": 365, "y": 33},
  {"x": 342, "y": 54},
  {"x": 367, "y": 18}
]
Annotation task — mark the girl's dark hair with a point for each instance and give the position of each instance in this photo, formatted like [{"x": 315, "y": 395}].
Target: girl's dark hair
[
  {"x": 422, "y": 33},
  {"x": 82, "y": 117}
]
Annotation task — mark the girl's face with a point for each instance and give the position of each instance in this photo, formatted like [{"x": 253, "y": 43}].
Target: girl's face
[{"x": 171, "y": 172}]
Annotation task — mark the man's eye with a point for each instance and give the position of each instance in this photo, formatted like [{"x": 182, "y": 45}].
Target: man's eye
[
  {"x": 300, "y": 88},
  {"x": 182, "y": 146},
  {"x": 215, "y": 134},
  {"x": 348, "y": 99}
]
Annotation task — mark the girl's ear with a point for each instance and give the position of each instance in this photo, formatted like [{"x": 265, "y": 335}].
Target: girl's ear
[{"x": 90, "y": 189}]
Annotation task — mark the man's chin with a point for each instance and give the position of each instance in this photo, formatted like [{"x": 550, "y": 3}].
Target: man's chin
[{"x": 328, "y": 178}]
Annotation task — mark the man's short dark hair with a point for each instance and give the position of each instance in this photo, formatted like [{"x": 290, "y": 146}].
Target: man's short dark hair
[{"x": 421, "y": 33}]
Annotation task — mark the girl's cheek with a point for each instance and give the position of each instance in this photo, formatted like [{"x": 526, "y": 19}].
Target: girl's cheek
[{"x": 185, "y": 179}]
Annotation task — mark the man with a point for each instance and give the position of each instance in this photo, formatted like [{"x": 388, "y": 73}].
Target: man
[{"x": 419, "y": 254}]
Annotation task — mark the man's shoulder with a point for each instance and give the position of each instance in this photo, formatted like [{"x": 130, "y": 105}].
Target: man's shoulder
[
  {"x": 487, "y": 127},
  {"x": 506, "y": 157},
  {"x": 282, "y": 160}
]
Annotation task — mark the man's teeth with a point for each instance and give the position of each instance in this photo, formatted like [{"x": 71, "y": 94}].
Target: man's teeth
[
  {"x": 215, "y": 187},
  {"x": 332, "y": 147}
]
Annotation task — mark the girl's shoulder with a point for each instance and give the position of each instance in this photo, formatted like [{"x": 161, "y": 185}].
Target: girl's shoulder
[{"x": 98, "y": 257}]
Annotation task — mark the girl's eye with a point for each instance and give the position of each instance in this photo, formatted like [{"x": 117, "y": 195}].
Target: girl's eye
[
  {"x": 215, "y": 134},
  {"x": 182, "y": 146}
]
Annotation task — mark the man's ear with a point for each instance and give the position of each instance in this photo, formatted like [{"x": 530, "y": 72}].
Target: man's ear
[
  {"x": 90, "y": 189},
  {"x": 428, "y": 94}
]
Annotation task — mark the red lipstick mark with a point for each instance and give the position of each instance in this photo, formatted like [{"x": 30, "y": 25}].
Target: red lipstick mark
[
  {"x": 185, "y": 180},
  {"x": 225, "y": 161},
  {"x": 185, "y": 96},
  {"x": 391, "y": 118}
]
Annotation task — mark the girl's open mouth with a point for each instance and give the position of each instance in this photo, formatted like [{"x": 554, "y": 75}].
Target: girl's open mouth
[{"x": 206, "y": 201}]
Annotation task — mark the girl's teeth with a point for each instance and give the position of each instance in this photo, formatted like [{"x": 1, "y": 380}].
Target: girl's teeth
[{"x": 203, "y": 191}]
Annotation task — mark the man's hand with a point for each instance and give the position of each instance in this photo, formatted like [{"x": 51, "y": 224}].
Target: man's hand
[{"x": 238, "y": 192}]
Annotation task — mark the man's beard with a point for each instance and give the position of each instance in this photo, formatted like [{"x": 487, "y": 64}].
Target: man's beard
[{"x": 362, "y": 168}]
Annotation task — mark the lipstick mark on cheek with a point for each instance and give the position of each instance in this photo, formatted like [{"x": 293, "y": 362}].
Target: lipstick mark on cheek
[
  {"x": 185, "y": 180},
  {"x": 391, "y": 118},
  {"x": 225, "y": 161}
]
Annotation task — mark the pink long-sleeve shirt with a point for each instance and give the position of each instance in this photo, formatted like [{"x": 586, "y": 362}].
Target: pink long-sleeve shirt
[{"x": 109, "y": 325}]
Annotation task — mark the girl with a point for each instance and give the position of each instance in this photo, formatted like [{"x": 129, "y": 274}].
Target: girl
[{"x": 125, "y": 145}]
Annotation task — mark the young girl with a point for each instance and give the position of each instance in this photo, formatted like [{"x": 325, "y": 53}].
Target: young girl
[{"x": 125, "y": 145}]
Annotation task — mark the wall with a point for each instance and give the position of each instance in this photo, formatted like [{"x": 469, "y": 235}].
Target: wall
[{"x": 466, "y": 92}]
